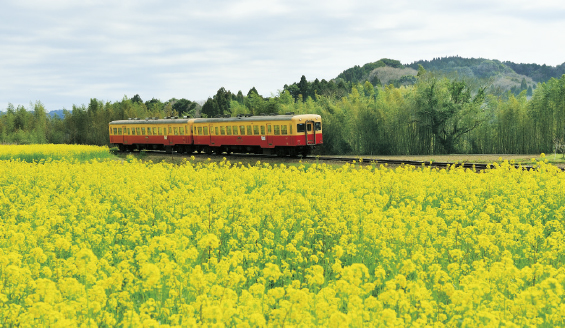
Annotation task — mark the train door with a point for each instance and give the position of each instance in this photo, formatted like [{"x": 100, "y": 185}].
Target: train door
[
  {"x": 310, "y": 133},
  {"x": 183, "y": 131},
  {"x": 125, "y": 135},
  {"x": 210, "y": 133},
  {"x": 169, "y": 135},
  {"x": 269, "y": 135}
]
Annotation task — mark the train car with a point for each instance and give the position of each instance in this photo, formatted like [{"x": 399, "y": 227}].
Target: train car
[
  {"x": 159, "y": 134},
  {"x": 278, "y": 134},
  {"x": 275, "y": 134}
]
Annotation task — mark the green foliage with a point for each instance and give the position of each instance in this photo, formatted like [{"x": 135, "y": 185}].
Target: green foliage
[{"x": 424, "y": 113}]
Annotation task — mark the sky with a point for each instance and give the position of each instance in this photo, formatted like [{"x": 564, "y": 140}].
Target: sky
[{"x": 65, "y": 52}]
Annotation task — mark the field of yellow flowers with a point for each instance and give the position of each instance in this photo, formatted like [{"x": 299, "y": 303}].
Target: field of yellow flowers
[
  {"x": 125, "y": 243},
  {"x": 36, "y": 153}
]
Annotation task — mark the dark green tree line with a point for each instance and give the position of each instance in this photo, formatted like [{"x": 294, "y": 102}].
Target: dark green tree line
[{"x": 436, "y": 115}]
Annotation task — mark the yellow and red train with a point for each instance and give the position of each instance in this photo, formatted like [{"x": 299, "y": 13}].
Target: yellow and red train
[{"x": 275, "y": 134}]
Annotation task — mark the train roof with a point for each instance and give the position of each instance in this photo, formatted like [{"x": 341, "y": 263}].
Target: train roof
[
  {"x": 152, "y": 121},
  {"x": 253, "y": 118},
  {"x": 241, "y": 118}
]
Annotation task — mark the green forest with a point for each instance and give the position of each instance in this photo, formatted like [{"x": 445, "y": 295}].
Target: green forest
[{"x": 381, "y": 108}]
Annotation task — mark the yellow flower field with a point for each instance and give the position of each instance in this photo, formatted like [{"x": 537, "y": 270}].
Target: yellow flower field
[
  {"x": 110, "y": 243},
  {"x": 31, "y": 153}
]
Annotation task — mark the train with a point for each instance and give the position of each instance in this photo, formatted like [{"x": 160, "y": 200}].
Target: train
[{"x": 283, "y": 135}]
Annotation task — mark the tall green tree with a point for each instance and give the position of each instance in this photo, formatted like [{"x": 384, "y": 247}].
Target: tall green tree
[{"x": 447, "y": 110}]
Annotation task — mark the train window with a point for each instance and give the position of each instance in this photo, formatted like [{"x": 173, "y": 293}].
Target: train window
[
  {"x": 277, "y": 130},
  {"x": 283, "y": 130},
  {"x": 228, "y": 130},
  {"x": 119, "y": 131},
  {"x": 300, "y": 127},
  {"x": 318, "y": 126},
  {"x": 149, "y": 131},
  {"x": 143, "y": 131},
  {"x": 256, "y": 130},
  {"x": 249, "y": 133},
  {"x": 242, "y": 130},
  {"x": 269, "y": 129},
  {"x": 181, "y": 131},
  {"x": 138, "y": 131},
  {"x": 176, "y": 131},
  {"x": 216, "y": 131},
  {"x": 160, "y": 131},
  {"x": 170, "y": 130},
  {"x": 199, "y": 129},
  {"x": 154, "y": 131},
  {"x": 235, "y": 130},
  {"x": 309, "y": 126},
  {"x": 290, "y": 126},
  {"x": 205, "y": 130},
  {"x": 223, "y": 130},
  {"x": 115, "y": 131},
  {"x": 262, "y": 130}
]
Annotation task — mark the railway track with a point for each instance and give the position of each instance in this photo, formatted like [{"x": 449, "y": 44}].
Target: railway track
[
  {"x": 357, "y": 159},
  {"x": 476, "y": 166},
  {"x": 472, "y": 166}
]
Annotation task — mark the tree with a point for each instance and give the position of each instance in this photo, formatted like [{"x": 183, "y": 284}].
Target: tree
[
  {"x": 239, "y": 98},
  {"x": 154, "y": 105},
  {"x": 252, "y": 90},
  {"x": 210, "y": 108},
  {"x": 223, "y": 99},
  {"x": 184, "y": 107},
  {"x": 136, "y": 99},
  {"x": 256, "y": 104},
  {"x": 304, "y": 88},
  {"x": 523, "y": 85},
  {"x": 447, "y": 110}
]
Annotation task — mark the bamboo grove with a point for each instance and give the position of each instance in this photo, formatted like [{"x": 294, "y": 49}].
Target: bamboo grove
[{"x": 436, "y": 115}]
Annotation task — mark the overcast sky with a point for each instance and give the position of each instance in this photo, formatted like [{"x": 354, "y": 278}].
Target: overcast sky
[{"x": 64, "y": 52}]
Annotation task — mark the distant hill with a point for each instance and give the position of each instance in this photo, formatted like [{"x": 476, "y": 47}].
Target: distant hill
[
  {"x": 58, "y": 113},
  {"x": 539, "y": 73},
  {"x": 500, "y": 76},
  {"x": 484, "y": 68},
  {"x": 393, "y": 70}
]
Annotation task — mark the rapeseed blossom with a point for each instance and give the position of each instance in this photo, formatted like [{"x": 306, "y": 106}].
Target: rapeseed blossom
[{"x": 126, "y": 243}]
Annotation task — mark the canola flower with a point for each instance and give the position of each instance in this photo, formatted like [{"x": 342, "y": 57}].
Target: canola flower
[
  {"x": 109, "y": 243},
  {"x": 36, "y": 153}
]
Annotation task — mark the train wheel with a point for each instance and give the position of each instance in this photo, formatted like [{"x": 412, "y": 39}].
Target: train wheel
[
  {"x": 293, "y": 152},
  {"x": 208, "y": 150}
]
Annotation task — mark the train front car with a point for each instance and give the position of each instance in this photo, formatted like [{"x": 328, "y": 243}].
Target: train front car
[
  {"x": 281, "y": 134},
  {"x": 153, "y": 134},
  {"x": 307, "y": 133}
]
